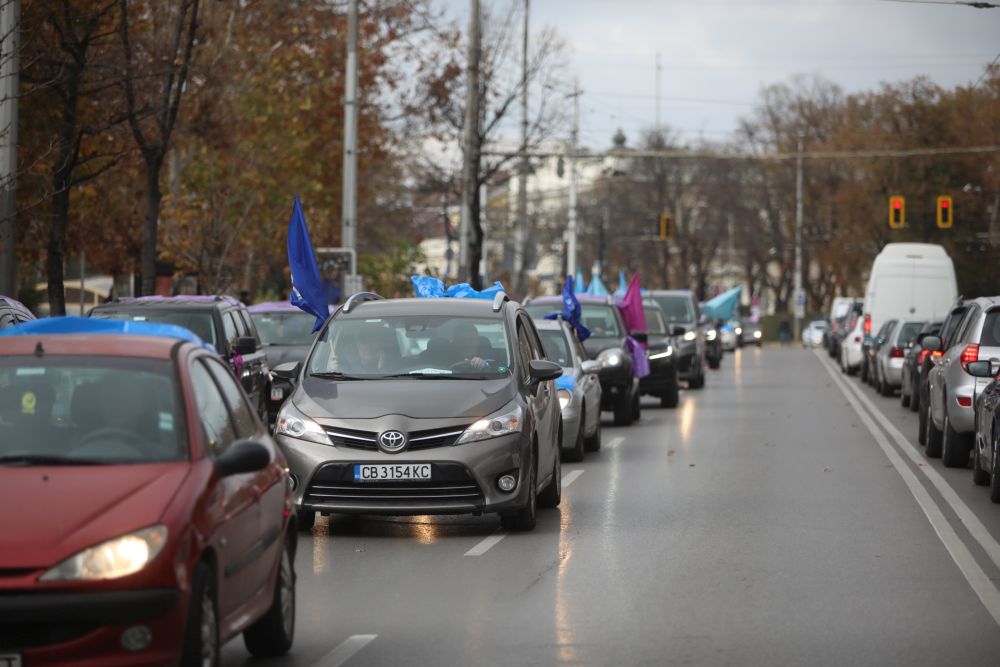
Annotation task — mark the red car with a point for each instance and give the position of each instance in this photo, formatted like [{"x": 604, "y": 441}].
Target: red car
[{"x": 145, "y": 513}]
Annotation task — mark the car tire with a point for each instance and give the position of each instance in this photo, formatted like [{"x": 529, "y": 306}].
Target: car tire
[
  {"x": 524, "y": 519},
  {"x": 593, "y": 443},
  {"x": 201, "y": 636},
  {"x": 995, "y": 471},
  {"x": 575, "y": 454},
  {"x": 636, "y": 407},
  {"x": 864, "y": 372},
  {"x": 979, "y": 476},
  {"x": 714, "y": 363},
  {"x": 551, "y": 495},
  {"x": 699, "y": 381},
  {"x": 623, "y": 411},
  {"x": 922, "y": 417},
  {"x": 904, "y": 399},
  {"x": 885, "y": 388},
  {"x": 273, "y": 633},
  {"x": 305, "y": 519},
  {"x": 934, "y": 439},
  {"x": 671, "y": 397},
  {"x": 915, "y": 397},
  {"x": 954, "y": 446}
]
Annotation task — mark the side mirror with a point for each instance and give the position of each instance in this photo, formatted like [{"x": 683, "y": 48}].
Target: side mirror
[
  {"x": 932, "y": 343},
  {"x": 979, "y": 369},
  {"x": 590, "y": 367},
  {"x": 243, "y": 456},
  {"x": 542, "y": 371},
  {"x": 245, "y": 345},
  {"x": 677, "y": 330},
  {"x": 641, "y": 336},
  {"x": 287, "y": 371}
]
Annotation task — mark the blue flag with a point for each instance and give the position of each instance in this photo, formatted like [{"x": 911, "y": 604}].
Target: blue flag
[
  {"x": 581, "y": 287},
  {"x": 308, "y": 290},
  {"x": 596, "y": 287},
  {"x": 571, "y": 310}
]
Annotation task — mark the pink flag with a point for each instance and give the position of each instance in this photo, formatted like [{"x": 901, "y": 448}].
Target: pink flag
[{"x": 631, "y": 307}]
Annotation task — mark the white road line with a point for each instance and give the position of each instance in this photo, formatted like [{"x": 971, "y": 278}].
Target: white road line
[
  {"x": 615, "y": 442},
  {"x": 486, "y": 544},
  {"x": 344, "y": 651},
  {"x": 967, "y": 516},
  {"x": 570, "y": 477},
  {"x": 981, "y": 585}
]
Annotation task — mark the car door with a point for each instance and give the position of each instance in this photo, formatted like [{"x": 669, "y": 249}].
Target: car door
[
  {"x": 234, "y": 511},
  {"x": 950, "y": 360},
  {"x": 590, "y": 383},
  {"x": 539, "y": 400},
  {"x": 547, "y": 393}
]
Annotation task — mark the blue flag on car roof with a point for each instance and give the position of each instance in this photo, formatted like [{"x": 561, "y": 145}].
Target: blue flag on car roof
[
  {"x": 580, "y": 287},
  {"x": 724, "y": 305},
  {"x": 429, "y": 287},
  {"x": 571, "y": 310},
  {"x": 308, "y": 290},
  {"x": 597, "y": 287},
  {"x": 90, "y": 326}
]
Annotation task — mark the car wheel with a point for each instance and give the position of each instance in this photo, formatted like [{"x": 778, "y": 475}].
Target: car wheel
[
  {"x": 623, "y": 411},
  {"x": 915, "y": 397},
  {"x": 699, "y": 382},
  {"x": 305, "y": 519},
  {"x": 995, "y": 471},
  {"x": 922, "y": 427},
  {"x": 954, "y": 446},
  {"x": 593, "y": 443},
  {"x": 201, "y": 637},
  {"x": 576, "y": 453},
  {"x": 552, "y": 494},
  {"x": 523, "y": 519},
  {"x": 273, "y": 633},
  {"x": 671, "y": 397},
  {"x": 864, "y": 372},
  {"x": 979, "y": 476},
  {"x": 714, "y": 363},
  {"x": 885, "y": 388},
  {"x": 904, "y": 398},
  {"x": 934, "y": 438}
]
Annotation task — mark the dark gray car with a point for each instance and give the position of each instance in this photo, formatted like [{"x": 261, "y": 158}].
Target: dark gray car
[
  {"x": 680, "y": 308},
  {"x": 424, "y": 406}
]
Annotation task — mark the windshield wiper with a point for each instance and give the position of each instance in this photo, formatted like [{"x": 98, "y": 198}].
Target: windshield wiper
[
  {"x": 47, "y": 460},
  {"x": 334, "y": 375}
]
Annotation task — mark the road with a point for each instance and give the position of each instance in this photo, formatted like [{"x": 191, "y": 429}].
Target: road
[{"x": 765, "y": 521}]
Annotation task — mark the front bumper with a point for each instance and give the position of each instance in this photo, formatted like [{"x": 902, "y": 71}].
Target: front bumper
[
  {"x": 661, "y": 379},
  {"x": 571, "y": 421},
  {"x": 463, "y": 482},
  {"x": 615, "y": 383}
]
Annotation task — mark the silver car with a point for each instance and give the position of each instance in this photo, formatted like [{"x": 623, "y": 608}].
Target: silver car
[
  {"x": 890, "y": 355},
  {"x": 952, "y": 390},
  {"x": 579, "y": 388}
]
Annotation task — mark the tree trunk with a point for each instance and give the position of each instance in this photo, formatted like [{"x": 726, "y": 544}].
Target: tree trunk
[
  {"x": 153, "y": 197},
  {"x": 475, "y": 250},
  {"x": 57, "y": 247}
]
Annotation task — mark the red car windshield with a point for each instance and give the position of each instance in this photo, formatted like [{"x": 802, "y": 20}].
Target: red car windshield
[{"x": 89, "y": 409}]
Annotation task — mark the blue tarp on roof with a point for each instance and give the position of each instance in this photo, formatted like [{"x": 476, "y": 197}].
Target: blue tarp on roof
[
  {"x": 86, "y": 325},
  {"x": 723, "y": 306}
]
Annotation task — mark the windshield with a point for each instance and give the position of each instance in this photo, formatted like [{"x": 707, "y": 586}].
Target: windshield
[
  {"x": 284, "y": 328},
  {"x": 555, "y": 346},
  {"x": 598, "y": 317},
  {"x": 908, "y": 333},
  {"x": 655, "y": 324},
  {"x": 436, "y": 345},
  {"x": 198, "y": 322},
  {"x": 677, "y": 308},
  {"x": 90, "y": 409}
]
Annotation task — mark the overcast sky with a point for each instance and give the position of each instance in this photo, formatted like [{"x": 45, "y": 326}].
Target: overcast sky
[{"x": 718, "y": 54}]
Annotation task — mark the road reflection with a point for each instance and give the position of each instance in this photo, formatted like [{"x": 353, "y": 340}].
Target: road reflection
[
  {"x": 565, "y": 638},
  {"x": 687, "y": 411},
  {"x": 321, "y": 540}
]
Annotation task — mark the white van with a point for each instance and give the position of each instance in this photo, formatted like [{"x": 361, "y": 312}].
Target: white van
[
  {"x": 841, "y": 307},
  {"x": 909, "y": 281}
]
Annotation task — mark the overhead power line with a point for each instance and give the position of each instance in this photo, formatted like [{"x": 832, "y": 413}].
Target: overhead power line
[
  {"x": 813, "y": 155},
  {"x": 977, "y": 5},
  {"x": 986, "y": 71}
]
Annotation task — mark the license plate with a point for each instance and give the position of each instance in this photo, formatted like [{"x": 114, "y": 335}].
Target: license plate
[
  {"x": 10, "y": 660},
  {"x": 391, "y": 472},
  {"x": 277, "y": 393}
]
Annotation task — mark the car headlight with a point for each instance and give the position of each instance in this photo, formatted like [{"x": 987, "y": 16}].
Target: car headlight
[
  {"x": 662, "y": 354},
  {"x": 710, "y": 335},
  {"x": 492, "y": 427},
  {"x": 691, "y": 335},
  {"x": 565, "y": 398},
  {"x": 738, "y": 331},
  {"x": 756, "y": 334},
  {"x": 611, "y": 357},
  {"x": 113, "y": 559},
  {"x": 294, "y": 424}
]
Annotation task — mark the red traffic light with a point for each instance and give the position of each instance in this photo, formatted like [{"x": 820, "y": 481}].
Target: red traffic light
[
  {"x": 897, "y": 204},
  {"x": 945, "y": 203}
]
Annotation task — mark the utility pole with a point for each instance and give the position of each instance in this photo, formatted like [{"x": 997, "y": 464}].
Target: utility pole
[
  {"x": 522, "y": 177},
  {"x": 471, "y": 158},
  {"x": 484, "y": 213},
  {"x": 349, "y": 203},
  {"x": 800, "y": 297},
  {"x": 573, "y": 141},
  {"x": 10, "y": 29}
]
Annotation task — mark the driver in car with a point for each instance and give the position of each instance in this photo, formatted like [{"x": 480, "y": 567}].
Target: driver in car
[{"x": 466, "y": 343}]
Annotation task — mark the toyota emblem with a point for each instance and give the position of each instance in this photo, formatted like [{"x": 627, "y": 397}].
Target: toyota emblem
[{"x": 392, "y": 441}]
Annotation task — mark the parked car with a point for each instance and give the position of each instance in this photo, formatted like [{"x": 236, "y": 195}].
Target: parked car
[
  {"x": 424, "y": 406},
  {"x": 750, "y": 333},
  {"x": 839, "y": 317},
  {"x": 728, "y": 335},
  {"x": 986, "y": 442},
  {"x": 851, "y": 351},
  {"x": 579, "y": 389},
  {"x": 606, "y": 345},
  {"x": 286, "y": 332},
  {"x": 662, "y": 381},
  {"x": 221, "y": 321},
  {"x": 870, "y": 347},
  {"x": 812, "y": 335},
  {"x": 913, "y": 362},
  {"x": 889, "y": 358},
  {"x": 153, "y": 510},
  {"x": 948, "y": 330},
  {"x": 952, "y": 389},
  {"x": 680, "y": 307},
  {"x": 841, "y": 326},
  {"x": 13, "y": 312}
]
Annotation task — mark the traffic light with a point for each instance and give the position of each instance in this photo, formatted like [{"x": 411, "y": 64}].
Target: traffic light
[
  {"x": 667, "y": 226},
  {"x": 945, "y": 214},
  {"x": 897, "y": 211}
]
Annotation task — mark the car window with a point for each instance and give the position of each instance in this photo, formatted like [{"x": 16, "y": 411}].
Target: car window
[
  {"x": 966, "y": 330},
  {"x": 556, "y": 346},
  {"x": 536, "y": 345},
  {"x": 601, "y": 319},
  {"x": 212, "y": 412},
  {"x": 229, "y": 326},
  {"x": 6, "y": 320},
  {"x": 677, "y": 309},
  {"x": 242, "y": 416},
  {"x": 198, "y": 322},
  {"x": 991, "y": 330},
  {"x": 951, "y": 324},
  {"x": 523, "y": 352},
  {"x": 285, "y": 328},
  {"x": 655, "y": 322},
  {"x": 241, "y": 325},
  {"x": 431, "y": 344},
  {"x": 908, "y": 333}
]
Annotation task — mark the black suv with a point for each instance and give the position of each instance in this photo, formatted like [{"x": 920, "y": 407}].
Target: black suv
[
  {"x": 424, "y": 406},
  {"x": 680, "y": 307},
  {"x": 220, "y": 320},
  {"x": 619, "y": 387},
  {"x": 13, "y": 312},
  {"x": 662, "y": 355}
]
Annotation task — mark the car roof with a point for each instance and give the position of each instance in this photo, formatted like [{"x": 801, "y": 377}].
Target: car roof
[
  {"x": 280, "y": 307},
  {"x": 104, "y": 345},
  {"x": 188, "y": 301},
  {"x": 671, "y": 292},
  {"x": 424, "y": 306},
  {"x": 549, "y": 325},
  {"x": 985, "y": 301}
]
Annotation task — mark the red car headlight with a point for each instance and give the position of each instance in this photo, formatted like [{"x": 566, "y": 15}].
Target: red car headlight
[{"x": 113, "y": 559}]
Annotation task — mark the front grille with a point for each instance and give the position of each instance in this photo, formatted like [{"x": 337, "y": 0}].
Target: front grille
[
  {"x": 345, "y": 437},
  {"x": 15, "y": 636},
  {"x": 437, "y": 437},
  {"x": 334, "y": 483}
]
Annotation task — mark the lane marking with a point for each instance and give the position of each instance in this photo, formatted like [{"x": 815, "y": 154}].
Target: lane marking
[
  {"x": 344, "y": 651},
  {"x": 972, "y": 523},
  {"x": 981, "y": 585},
  {"x": 570, "y": 477},
  {"x": 615, "y": 442},
  {"x": 486, "y": 544}
]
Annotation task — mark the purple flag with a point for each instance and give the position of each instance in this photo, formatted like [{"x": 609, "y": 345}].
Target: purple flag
[{"x": 631, "y": 307}]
